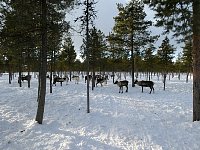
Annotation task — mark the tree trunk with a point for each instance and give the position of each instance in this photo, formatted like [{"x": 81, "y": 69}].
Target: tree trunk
[
  {"x": 113, "y": 76},
  {"x": 93, "y": 79},
  {"x": 164, "y": 80},
  {"x": 42, "y": 76},
  {"x": 196, "y": 60},
  {"x": 9, "y": 73},
  {"x": 10, "y": 76},
  {"x": 132, "y": 62},
  {"x": 28, "y": 65},
  {"x": 88, "y": 62},
  {"x": 51, "y": 72},
  {"x": 187, "y": 77}
]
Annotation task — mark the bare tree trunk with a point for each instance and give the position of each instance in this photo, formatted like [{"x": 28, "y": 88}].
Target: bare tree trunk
[
  {"x": 10, "y": 76},
  {"x": 196, "y": 60},
  {"x": 88, "y": 62},
  {"x": 113, "y": 76},
  {"x": 93, "y": 79},
  {"x": 51, "y": 71},
  {"x": 132, "y": 62},
  {"x": 20, "y": 74},
  {"x": 9, "y": 71},
  {"x": 28, "y": 65},
  {"x": 164, "y": 80},
  {"x": 42, "y": 76},
  {"x": 187, "y": 76}
]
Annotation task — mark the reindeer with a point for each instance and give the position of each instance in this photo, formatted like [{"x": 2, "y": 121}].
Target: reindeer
[
  {"x": 100, "y": 80},
  {"x": 121, "y": 84},
  {"x": 27, "y": 78},
  {"x": 76, "y": 78},
  {"x": 145, "y": 84},
  {"x": 58, "y": 79}
]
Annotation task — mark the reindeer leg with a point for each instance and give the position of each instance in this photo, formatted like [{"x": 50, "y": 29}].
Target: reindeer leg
[
  {"x": 142, "y": 89},
  {"x": 126, "y": 88}
]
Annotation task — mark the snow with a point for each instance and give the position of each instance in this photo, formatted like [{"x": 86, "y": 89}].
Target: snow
[{"x": 128, "y": 121}]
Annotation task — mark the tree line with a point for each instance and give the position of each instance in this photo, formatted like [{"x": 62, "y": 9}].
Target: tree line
[{"x": 39, "y": 39}]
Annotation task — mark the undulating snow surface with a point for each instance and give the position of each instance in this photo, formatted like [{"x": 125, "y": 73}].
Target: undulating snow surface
[{"x": 128, "y": 121}]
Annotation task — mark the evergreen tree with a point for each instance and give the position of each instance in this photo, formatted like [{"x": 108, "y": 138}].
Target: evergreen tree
[
  {"x": 115, "y": 52},
  {"x": 174, "y": 16},
  {"x": 187, "y": 56},
  {"x": 87, "y": 19},
  {"x": 183, "y": 14},
  {"x": 68, "y": 55},
  {"x": 96, "y": 47},
  {"x": 131, "y": 25},
  {"x": 149, "y": 59},
  {"x": 22, "y": 29},
  {"x": 165, "y": 55}
]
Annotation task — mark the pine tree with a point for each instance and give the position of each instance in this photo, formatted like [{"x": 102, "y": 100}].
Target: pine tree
[
  {"x": 131, "y": 25},
  {"x": 187, "y": 58},
  {"x": 96, "y": 47},
  {"x": 89, "y": 14},
  {"x": 165, "y": 55},
  {"x": 149, "y": 59},
  {"x": 68, "y": 54},
  {"x": 177, "y": 16},
  {"x": 22, "y": 29}
]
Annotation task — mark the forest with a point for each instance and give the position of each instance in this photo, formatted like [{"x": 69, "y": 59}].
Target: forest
[
  {"x": 21, "y": 41},
  {"x": 39, "y": 39}
]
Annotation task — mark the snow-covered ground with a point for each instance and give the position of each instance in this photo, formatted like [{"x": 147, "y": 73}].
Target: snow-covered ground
[{"x": 128, "y": 121}]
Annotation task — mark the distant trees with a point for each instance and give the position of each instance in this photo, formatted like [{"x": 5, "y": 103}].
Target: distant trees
[
  {"x": 149, "y": 60},
  {"x": 96, "y": 49},
  {"x": 165, "y": 54},
  {"x": 116, "y": 54},
  {"x": 68, "y": 55},
  {"x": 187, "y": 59},
  {"x": 29, "y": 36}
]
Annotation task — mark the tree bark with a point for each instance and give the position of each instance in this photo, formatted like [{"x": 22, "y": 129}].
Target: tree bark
[
  {"x": 132, "y": 61},
  {"x": 196, "y": 60},
  {"x": 42, "y": 76},
  {"x": 88, "y": 62}
]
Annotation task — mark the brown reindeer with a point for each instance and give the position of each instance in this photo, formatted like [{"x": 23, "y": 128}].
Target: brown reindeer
[
  {"x": 121, "y": 84},
  {"x": 145, "y": 84}
]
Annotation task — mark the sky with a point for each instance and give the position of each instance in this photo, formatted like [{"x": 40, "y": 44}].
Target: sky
[
  {"x": 117, "y": 121},
  {"x": 106, "y": 10}
]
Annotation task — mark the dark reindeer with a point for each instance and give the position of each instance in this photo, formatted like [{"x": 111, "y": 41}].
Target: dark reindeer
[
  {"x": 58, "y": 79},
  {"x": 121, "y": 84},
  {"x": 27, "y": 78},
  {"x": 145, "y": 84},
  {"x": 90, "y": 78},
  {"x": 76, "y": 79},
  {"x": 100, "y": 80}
]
